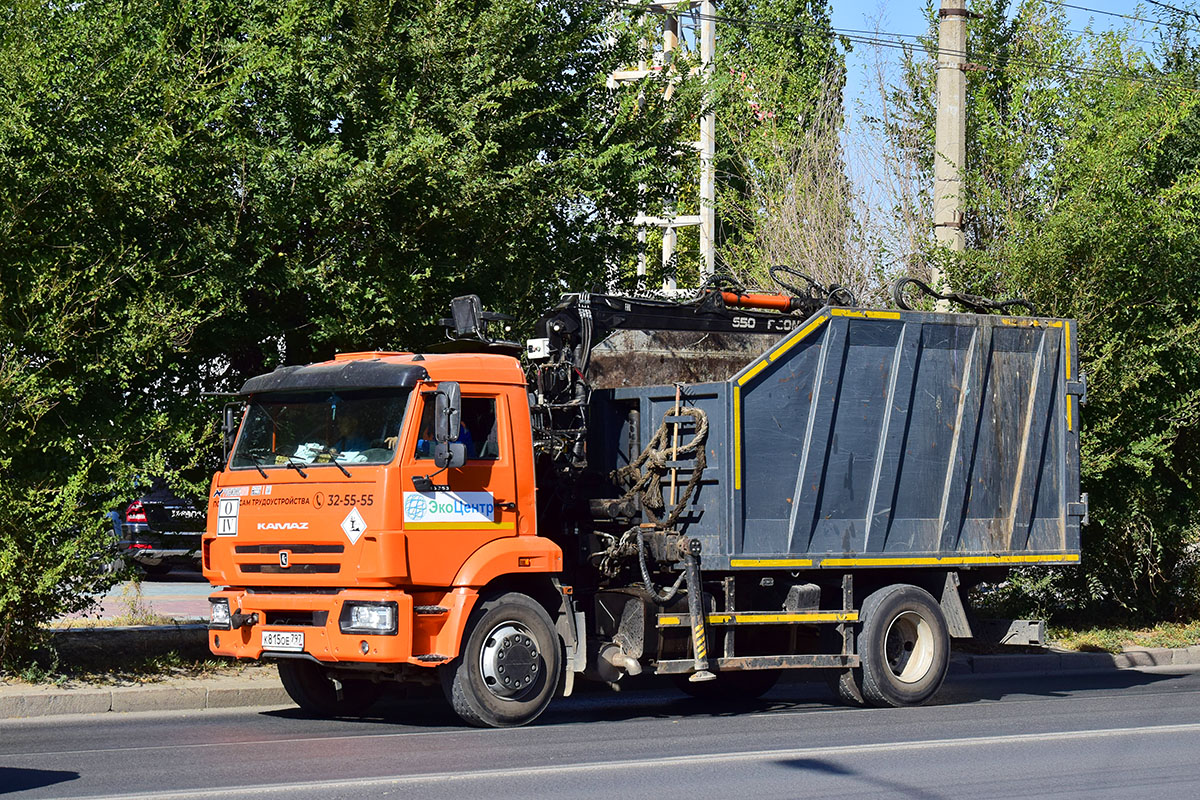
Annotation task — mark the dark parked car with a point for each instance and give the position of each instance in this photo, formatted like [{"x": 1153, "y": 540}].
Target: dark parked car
[{"x": 161, "y": 529}]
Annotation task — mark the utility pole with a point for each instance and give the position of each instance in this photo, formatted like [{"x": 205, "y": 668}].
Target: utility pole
[
  {"x": 708, "y": 143},
  {"x": 702, "y": 29},
  {"x": 951, "y": 135}
]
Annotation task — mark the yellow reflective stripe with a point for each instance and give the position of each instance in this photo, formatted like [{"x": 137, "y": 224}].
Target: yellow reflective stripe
[
  {"x": 948, "y": 560},
  {"x": 806, "y": 616},
  {"x": 1070, "y": 422},
  {"x": 1031, "y": 323},
  {"x": 795, "y": 337},
  {"x": 737, "y": 438},
  {"x": 846, "y": 312},
  {"x": 1067, "y": 347},
  {"x": 771, "y": 562},
  {"x": 460, "y": 526},
  {"x": 757, "y": 368},
  {"x": 792, "y": 339},
  {"x": 752, "y": 617}
]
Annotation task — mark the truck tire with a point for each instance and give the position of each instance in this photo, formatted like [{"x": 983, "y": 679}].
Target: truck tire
[
  {"x": 311, "y": 689},
  {"x": 730, "y": 687},
  {"x": 844, "y": 685},
  {"x": 510, "y": 664},
  {"x": 904, "y": 647}
]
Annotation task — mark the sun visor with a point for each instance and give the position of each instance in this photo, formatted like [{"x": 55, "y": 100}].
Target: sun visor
[{"x": 367, "y": 374}]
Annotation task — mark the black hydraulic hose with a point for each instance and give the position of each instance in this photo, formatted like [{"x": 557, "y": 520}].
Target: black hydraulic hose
[
  {"x": 972, "y": 302},
  {"x": 650, "y": 585}
]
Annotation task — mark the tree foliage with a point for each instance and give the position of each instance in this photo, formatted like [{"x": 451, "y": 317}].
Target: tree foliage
[
  {"x": 193, "y": 191},
  {"x": 783, "y": 195},
  {"x": 1083, "y": 193}
]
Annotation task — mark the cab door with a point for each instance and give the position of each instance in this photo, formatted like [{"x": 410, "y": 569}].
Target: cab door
[{"x": 470, "y": 505}]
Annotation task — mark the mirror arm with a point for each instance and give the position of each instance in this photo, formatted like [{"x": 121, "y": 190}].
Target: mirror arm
[{"x": 424, "y": 483}]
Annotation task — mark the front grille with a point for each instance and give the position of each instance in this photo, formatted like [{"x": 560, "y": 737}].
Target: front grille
[
  {"x": 307, "y": 619},
  {"x": 304, "y": 569},
  {"x": 296, "y": 549}
]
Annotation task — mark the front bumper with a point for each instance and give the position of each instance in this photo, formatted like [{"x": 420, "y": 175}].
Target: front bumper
[
  {"x": 427, "y": 634},
  {"x": 137, "y": 543},
  {"x": 316, "y": 616}
]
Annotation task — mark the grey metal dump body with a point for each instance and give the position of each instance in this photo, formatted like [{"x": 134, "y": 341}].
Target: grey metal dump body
[{"x": 879, "y": 439}]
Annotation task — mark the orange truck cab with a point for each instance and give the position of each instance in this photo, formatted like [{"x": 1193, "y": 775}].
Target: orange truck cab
[{"x": 328, "y": 553}]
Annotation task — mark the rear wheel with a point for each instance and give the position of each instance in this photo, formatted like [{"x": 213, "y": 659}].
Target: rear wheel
[
  {"x": 904, "y": 646},
  {"x": 509, "y": 666},
  {"x": 315, "y": 692},
  {"x": 844, "y": 684},
  {"x": 730, "y": 686}
]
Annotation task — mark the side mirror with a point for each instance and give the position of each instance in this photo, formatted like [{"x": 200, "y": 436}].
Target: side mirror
[
  {"x": 229, "y": 426},
  {"x": 446, "y": 423},
  {"x": 447, "y": 412},
  {"x": 449, "y": 454}
]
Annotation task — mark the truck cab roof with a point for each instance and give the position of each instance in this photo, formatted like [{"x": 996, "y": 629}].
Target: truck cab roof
[{"x": 381, "y": 370}]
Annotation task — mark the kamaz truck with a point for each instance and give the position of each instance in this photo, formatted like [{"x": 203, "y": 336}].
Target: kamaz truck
[{"x": 715, "y": 490}]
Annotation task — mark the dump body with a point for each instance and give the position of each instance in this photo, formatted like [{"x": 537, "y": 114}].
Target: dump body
[{"x": 881, "y": 439}]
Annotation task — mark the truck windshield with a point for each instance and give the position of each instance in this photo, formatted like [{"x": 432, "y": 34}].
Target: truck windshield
[{"x": 311, "y": 429}]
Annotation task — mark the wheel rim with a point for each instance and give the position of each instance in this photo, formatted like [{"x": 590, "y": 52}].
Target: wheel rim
[
  {"x": 908, "y": 647},
  {"x": 509, "y": 661}
]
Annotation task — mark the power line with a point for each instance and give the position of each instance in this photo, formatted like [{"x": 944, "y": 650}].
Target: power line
[
  {"x": 1154, "y": 22},
  {"x": 992, "y": 58},
  {"x": 1185, "y": 12},
  {"x": 855, "y": 36}
]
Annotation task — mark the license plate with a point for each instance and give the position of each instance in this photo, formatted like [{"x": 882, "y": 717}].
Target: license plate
[{"x": 287, "y": 641}]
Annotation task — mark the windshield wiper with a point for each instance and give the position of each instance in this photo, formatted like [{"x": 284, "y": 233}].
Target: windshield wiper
[
  {"x": 345, "y": 471},
  {"x": 293, "y": 465},
  {"x": 257, "y": 465}
]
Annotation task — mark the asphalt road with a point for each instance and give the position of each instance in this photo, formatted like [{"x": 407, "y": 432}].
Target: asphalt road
[{"x": 1114, "y": 734}]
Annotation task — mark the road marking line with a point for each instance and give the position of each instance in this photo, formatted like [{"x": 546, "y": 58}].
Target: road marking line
[{"x": 654, "y": 763}]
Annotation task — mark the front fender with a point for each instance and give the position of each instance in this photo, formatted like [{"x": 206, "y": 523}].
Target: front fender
[{"x": 512, "y": 555}]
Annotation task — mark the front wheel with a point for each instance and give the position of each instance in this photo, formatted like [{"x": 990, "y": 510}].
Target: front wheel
[
  {"x": 904, "y": 646},
  {"x": 318, "y": 694},
  {"x": 509, "y": 666}
]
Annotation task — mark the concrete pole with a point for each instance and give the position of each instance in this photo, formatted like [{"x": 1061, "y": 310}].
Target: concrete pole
[
  {"x": 708, "y": 145},
  {"x": 641, "y": 237},
  {"x": 951, "y": 134}
]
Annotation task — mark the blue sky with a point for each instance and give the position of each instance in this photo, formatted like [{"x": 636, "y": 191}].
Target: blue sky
[{"x": 908, "y": 18}]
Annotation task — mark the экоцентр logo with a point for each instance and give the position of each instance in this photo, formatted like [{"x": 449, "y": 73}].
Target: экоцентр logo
[{"x": 414, "y": 507}]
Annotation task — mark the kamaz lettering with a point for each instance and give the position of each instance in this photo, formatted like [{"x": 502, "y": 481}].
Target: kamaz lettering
[{"x": 283, "y": 526}]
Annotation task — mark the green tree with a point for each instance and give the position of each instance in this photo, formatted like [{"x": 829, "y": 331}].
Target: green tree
[
  {"x": 193, "y": 191},
  {"x": 784, "y": 196},
  {"x": 1083, "y": 173}
]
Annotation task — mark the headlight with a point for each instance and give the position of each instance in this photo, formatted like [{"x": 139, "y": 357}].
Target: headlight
[
  {"x": 218, "y": 611},
  {"x": 377, "y": 618}
]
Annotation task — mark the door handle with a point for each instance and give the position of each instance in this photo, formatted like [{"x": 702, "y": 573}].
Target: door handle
[{"x": 508, "y": 506}]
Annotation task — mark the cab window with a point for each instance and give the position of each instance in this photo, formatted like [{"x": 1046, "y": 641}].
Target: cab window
[{"x": 477, "y": 430}]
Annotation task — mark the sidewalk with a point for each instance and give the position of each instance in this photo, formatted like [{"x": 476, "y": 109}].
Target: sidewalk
[{"x": 258, "y": 684}]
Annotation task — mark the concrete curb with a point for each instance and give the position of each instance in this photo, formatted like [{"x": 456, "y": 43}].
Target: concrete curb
[
  {"x": 258, "y": 686},
  {"x": 261, "y": 687},
  {"x": 35, "y": 702},
  {"x": 1070, "y": 661}
]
